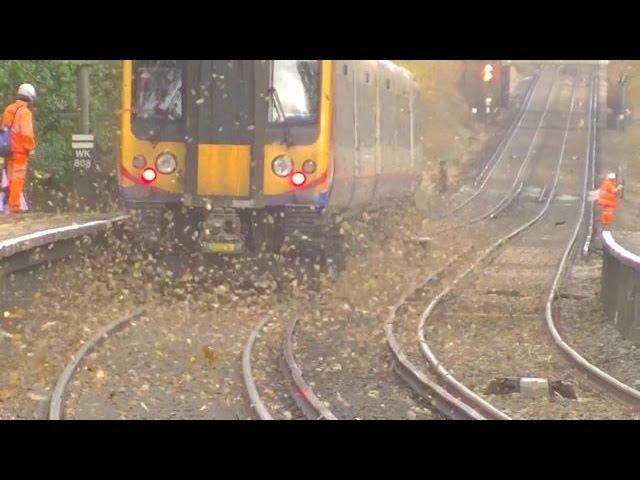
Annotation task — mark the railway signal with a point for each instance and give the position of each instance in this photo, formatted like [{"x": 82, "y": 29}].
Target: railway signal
[
  {"x": 490, "y": 80},
  {"x": 487, "y": 73},
  {"x": 486, "y": 86}
]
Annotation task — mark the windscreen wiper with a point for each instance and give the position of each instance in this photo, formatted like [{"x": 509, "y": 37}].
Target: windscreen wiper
[
  {"x": 168, "y": 107},
  {"x": 280, "y": 111},
  {"x": 165, "y": 107}
]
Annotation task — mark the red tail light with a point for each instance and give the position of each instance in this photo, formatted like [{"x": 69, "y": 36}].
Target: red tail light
[
  {"x": 148, "y": 175},
  {"x": 298, "y": 179}
]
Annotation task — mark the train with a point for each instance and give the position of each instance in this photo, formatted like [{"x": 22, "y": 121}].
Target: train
[{"x": 256, "y": 155}]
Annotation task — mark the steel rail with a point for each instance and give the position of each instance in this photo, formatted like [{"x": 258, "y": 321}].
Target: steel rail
[
  {"x": 56, "y": 406},
  {"x": 515, "y": 187},
  {"x": 598, "y": 376},
  {"x": 496, "y": 159}
]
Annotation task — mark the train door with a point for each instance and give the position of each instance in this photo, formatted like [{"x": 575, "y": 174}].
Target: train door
[
  {"x": 343, "y": 133},
  {"x": 222, "y": 135},
  {"x": 403, "y": 136},
  {"x": 387, "y": 137},
  {"x": 365, "y": 108}
]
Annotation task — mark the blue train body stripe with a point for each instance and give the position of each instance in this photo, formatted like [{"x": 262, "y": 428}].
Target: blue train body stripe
[
  {"x": 135, "y": 193},
  {"x": 291, "y": 199}
]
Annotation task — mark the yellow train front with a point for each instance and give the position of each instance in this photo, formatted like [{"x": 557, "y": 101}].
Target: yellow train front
[{"x": 256, "y": 154}]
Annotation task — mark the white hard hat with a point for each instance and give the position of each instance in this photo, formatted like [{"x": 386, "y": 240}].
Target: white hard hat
[
  {"x": 27, "y": 90},
  {"x": 611, "y": 176}
]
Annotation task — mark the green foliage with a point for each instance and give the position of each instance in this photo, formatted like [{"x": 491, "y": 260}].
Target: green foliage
[
  {"x": 106, "y": 78},
  {"x": 56, "y": 113}
]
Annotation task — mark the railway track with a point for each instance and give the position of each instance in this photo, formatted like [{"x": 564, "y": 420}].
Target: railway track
[
  {"x": 457, "y": 388},
  {"x": 517, "y": 164},
  {"x": 518, "y": 182},
  {"x": 439, "y": 388},
  {"x": 59, "y": 395},
  {"x": 58, "y": 401},
  {"x": 294, "y": 390},
  {"x": 284, "y": 381},
  {"x": 454, "y": 274},
  {"x": 169, "y": 359},
  {"x": 439, "y": 391},
  {"x": 498, "y": 155},
  {"x": 451, "y": 401},
  {"x": 304, "y": 396},
  {"x": 598, "y": 376}
]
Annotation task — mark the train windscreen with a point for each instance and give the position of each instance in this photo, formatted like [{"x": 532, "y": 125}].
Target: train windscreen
[
  {"x": 158, "y": 90},
  {"x": 296, "y": 86}
]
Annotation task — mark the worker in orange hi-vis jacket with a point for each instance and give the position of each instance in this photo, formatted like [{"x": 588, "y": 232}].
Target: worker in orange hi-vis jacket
[
  {"x": 17, "y": 116},
  {"x": 608, "y": 199}
]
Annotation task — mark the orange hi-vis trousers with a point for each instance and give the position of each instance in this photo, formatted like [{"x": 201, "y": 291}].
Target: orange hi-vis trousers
[
  {"x": 17, "y": 174},
  {"x": 606, "y": 216}
]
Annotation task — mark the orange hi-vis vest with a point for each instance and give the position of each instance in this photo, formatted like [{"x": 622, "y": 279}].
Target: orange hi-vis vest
[
  {"x": 607, "y": 196},
  {"x": 22, "y": 138}
]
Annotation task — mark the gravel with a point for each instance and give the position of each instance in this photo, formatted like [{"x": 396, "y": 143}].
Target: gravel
[
  {"x": 46, "y": 324},
  {"x": 182, "y": 361},
  {"x": 339, "y": 342},
  {"x": 586, "y": 328},
  {"x": 492, "y": 326},
  {"x": 509, "y": 339}
]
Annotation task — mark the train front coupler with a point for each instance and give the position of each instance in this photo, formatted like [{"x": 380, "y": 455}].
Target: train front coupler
[{"x": 221, "y": 232}]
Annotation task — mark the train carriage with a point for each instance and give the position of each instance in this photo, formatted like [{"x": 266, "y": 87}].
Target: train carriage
[{"x": 255, "y": 154}]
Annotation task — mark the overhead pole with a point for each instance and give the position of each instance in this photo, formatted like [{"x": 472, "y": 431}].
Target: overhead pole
[
  {"x": 623, "y": 101},
  {"x": 84, "y": 96},
  {"x": 83, "y": 91}
]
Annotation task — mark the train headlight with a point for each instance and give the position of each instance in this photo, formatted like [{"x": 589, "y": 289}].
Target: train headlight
[
  {"x": 139, "y": 161},
  {"x": 166, "y": 163},
  {"x": 282, "y": 165},
  {"x": 309, "y": 166}
]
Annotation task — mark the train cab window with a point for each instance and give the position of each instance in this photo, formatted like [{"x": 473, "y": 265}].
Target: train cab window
[
  {"x": 296, "y": 91},
  {"x": 158, "y": 89}
]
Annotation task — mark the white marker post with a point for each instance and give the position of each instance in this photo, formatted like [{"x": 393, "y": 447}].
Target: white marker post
[
  {"x": 83, "y": 145},
  {"x": 84, "y": 172}
]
